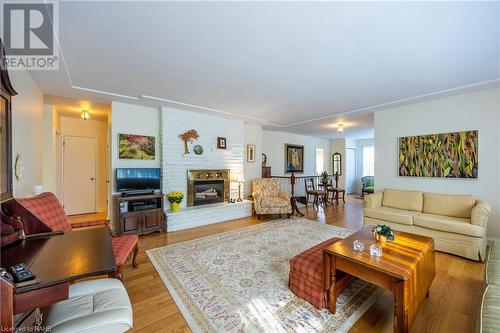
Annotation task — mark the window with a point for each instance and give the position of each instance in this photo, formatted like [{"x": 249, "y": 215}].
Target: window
[
  {"x": 368, "y": 161},
  {"x": 319, "y": 161}
]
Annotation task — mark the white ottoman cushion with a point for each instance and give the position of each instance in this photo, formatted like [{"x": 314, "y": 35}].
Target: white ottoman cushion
[{"x": 93, "y": 306}]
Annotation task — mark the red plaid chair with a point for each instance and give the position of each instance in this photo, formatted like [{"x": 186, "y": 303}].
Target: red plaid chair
[
  {"x": 47, "y": 209},
  {"x": 306, "y": 276}
]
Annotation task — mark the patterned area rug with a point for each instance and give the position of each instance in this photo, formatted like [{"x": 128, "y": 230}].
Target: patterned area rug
[{"x": 238, "y": 281}]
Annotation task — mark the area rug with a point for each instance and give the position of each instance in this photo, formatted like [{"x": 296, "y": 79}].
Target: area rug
[{"x": 237, "y": 281}]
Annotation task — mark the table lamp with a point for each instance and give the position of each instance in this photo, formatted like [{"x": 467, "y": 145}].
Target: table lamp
[{"x": 239, "y": 178}]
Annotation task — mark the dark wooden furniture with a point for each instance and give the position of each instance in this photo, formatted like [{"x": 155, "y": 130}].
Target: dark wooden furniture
[
  {"x": 407, "y": 268},
  {"x": 319, "y": 196},
  {"x": 266, "y": 172},
  {"x": 335, "y": 194},
  {"x": 56, "y": 261},
  {"x": 6, "y": 93},
  {"x": 133, "y": 220}
]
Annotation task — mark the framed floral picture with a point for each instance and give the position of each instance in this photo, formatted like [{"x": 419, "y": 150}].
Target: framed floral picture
[
  {"x": 294, "y": 158},
  {"x": 136, "y": 147},
  {"x": 250, "y": 153}
]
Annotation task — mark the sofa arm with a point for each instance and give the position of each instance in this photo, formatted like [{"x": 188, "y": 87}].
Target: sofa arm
[
  {"x": 480, "y": 213},
  {"x": 374, "y": 200},
  {"x": 285, "y": 195}
]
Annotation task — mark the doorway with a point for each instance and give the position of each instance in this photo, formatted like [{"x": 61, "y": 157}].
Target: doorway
[
  {"x": 79, "y": 174},
  {"x": 350, "y": 171}
]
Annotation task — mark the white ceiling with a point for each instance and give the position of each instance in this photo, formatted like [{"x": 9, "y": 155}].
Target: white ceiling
[
  {"x": 290, "y": 66},
  {"x": 69, "y": 107}
]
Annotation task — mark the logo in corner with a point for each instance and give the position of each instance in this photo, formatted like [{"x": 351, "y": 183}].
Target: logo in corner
[{"x": 29, "y": 35}]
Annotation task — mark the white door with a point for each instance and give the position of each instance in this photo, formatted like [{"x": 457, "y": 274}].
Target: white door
[
  {"x": 350, "y": 171},
  {"x": 79, "y": 173}
]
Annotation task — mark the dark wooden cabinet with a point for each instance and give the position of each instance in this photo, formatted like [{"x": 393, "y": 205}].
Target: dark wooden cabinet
[
  {"x": 139, "y": 215},
  {"x": 266, "y": 172},
  {"x": 6, "y": 93},
  {"x": 152, "y": 221}
]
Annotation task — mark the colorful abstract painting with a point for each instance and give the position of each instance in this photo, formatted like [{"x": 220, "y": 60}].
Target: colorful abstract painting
[
  {"x": 137, "y": 147},
  {"x": 447, "y": 155}
]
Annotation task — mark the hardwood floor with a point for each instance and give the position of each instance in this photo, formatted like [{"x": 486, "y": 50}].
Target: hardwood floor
[{"x": 455, "y": 294}]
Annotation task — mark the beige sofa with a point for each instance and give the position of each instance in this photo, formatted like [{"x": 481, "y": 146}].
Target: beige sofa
[
  {"x": 456, "y": 222},
  {"x": 490, "y": 305}
]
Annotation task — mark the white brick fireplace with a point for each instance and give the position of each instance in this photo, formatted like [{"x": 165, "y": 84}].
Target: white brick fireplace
[{"x": 175, "y": 164}]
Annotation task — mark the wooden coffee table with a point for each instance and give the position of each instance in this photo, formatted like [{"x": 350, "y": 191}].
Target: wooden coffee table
[{"x": 407, "y": 268}]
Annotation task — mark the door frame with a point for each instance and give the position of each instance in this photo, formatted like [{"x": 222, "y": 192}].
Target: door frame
[{"x": 96, "y": 162}]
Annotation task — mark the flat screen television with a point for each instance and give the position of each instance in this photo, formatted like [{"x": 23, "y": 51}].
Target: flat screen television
[{"x": 137, "y": 179}]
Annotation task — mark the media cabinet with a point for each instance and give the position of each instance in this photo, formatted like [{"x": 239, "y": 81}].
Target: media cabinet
[{"x": 140, "y": 214}]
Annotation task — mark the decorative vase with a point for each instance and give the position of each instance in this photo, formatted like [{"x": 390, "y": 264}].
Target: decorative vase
[
  {"x": 175, "y": 206},
  {"x": 379, "y": 238}
]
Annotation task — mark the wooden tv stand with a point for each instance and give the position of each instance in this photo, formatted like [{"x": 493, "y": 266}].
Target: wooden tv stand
[{"x": 139, "y": 214}]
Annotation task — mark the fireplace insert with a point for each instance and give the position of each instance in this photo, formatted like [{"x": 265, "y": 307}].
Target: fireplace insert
[
  {"x": 207, "y": 186},
  {"x": 208, "y": 192}
]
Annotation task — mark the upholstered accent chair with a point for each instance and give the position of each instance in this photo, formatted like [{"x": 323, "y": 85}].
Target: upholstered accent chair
[
  {"x": 269, "y": 199},
  {"x": 49, "y": 210},
  {"x": 368, "y": 184}
]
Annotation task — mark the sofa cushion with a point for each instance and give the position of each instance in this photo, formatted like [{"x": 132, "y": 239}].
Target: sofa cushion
[
  {"x": 273, "y": 202},
  {"x": 448, "y": 204},
  {"x": 493, "y": 265},
  {"x": 490, "y": 310},
  {"x": 406, "y": 200},
  {"x": 391, "y": 214},
  {"x": 448, "y": 224}
]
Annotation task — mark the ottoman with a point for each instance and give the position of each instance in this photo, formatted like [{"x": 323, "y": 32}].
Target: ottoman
[
  {"x": 306, "y": 276},
  {"x": 93, "y": 306}
]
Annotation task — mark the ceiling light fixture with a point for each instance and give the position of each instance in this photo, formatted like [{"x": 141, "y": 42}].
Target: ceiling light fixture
[
  {"x": 340, "y": 127},
  {"x": 85, "y": 114}
]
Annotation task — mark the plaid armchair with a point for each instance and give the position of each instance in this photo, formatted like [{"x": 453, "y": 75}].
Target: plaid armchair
[
  {"x": 47, "y": 209},
  {"x": 268, "y": 198}
]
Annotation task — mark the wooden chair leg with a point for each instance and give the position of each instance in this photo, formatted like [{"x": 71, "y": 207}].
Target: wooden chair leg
[
  {"x": 134, "y": 261},
  {"x": 258, "y": 216},
  {"x": 117, "y": 274}
]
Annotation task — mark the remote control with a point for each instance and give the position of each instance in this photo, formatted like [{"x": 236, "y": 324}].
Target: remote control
[{"x": 21, "y": 273}]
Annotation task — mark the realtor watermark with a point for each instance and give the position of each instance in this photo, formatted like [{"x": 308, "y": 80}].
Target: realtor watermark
[{"x": 29, "y": 35}]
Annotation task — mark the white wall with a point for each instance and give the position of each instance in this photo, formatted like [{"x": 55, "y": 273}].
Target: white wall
[
  {"x": 49, "y": 149},
  {"x": 130, "y": 119},
  {"x": 253, "y": 170},
  {"x": 27, "y": 132},
  {"x": 175, "y": 163},
  {"x": 92, "y": 129},
  {"x": 133, "y": 119},
  {"x": 273, "y": 145},
  {"x": 472, "y": 111}
]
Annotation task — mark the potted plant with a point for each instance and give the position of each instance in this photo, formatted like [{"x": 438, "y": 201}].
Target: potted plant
[
  {"x": 382, "y": 233},
  {"x": 324, "y": 177},
  {"x": 175, "y": 199}
]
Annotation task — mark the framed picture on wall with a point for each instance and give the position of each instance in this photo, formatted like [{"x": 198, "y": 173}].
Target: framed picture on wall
[
  {"x": 444, "y": 155},
  {"x": 136, "y": 147},
  {"x": 221, "y": 143},
  {"x": 294, "y": 158},
  {"x": 250, "y": 153}
]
